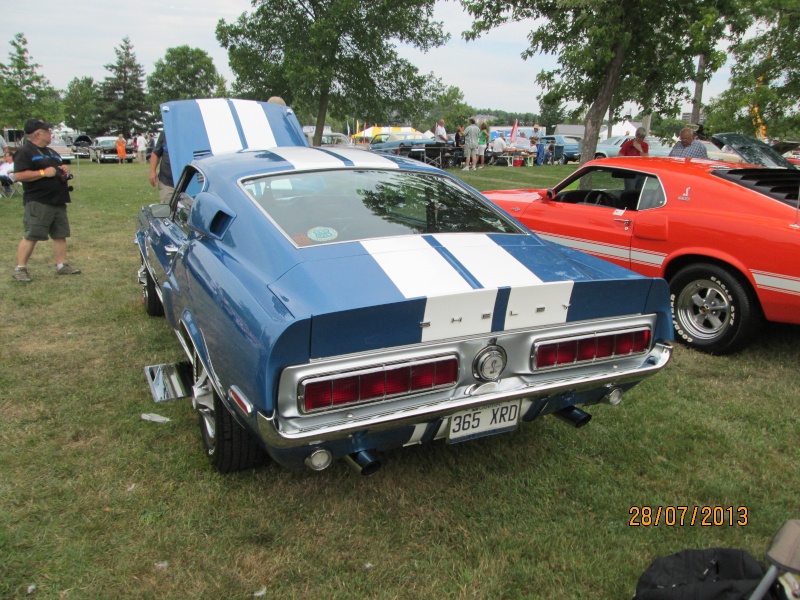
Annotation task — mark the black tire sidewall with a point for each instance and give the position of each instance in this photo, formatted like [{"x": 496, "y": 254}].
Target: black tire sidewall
[{"x": 744, "y": 313}]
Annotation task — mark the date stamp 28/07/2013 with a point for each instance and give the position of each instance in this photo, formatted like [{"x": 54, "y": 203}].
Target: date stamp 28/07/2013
[{"x": 681, "y": 516}]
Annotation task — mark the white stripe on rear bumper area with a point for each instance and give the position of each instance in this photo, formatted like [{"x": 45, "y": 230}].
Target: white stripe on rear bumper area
[{"x": 453, "y": 308}]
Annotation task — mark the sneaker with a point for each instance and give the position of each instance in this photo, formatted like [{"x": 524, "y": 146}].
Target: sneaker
[
  {"x": 67, "y": 270},
  {"x": 480, "y": 167},
  {"x": 465, "y": 168},
  {"x": 21, "y": 274}
]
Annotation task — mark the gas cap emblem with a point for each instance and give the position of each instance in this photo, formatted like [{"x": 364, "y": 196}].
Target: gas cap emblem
[{"x": 489, "y": 363}]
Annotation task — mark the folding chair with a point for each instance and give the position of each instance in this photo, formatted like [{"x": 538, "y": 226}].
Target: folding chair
[{"x": 10, "y": 190}]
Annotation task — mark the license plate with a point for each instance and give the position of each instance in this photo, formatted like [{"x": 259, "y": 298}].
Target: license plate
[{"x": 478, "y": 422}]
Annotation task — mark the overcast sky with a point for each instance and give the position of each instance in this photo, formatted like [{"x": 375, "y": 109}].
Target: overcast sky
[{"x": 77, "y": 38}]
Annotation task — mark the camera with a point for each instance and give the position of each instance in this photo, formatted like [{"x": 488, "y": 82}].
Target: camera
[{"x": 64, "y": 177}]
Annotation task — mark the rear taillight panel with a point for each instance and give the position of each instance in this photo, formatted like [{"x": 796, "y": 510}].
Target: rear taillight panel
[
  {"x": 589, "y": 348},
  {"x": 335, "y": 390}
]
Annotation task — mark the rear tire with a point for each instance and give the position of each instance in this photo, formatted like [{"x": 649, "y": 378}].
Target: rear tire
[
  {"x": 228, "y": 445},
  {"x": 712, "y": 309}
]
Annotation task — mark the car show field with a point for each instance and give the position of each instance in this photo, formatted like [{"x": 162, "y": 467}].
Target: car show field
[{"x": 98, "y": 502}]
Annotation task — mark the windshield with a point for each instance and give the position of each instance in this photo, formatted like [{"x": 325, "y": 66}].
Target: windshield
[{"x": 348, "y": 205}]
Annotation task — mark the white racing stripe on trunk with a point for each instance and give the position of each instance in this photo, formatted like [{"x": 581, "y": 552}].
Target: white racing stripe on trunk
[
  {"x": 489, "y": 263},
  {"x": 220, "y": 126},
  {"x": 415, "y": 267},
  {"x": 256, "y": 127},
  {"x": 542, "y": 304}
]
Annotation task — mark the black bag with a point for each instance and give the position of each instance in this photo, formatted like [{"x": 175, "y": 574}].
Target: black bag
[{"x": 711, "y": 574}]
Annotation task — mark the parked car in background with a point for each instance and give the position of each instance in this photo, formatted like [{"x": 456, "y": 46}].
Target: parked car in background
[
  {"x": 331, "y": 139},
  {"x": 571, "y": 144},
  {"x": 726, "y": 237},
  {"x": 80, "y": 146},
  {"x": 334, "y": 302},
  {"x": 60, "y": 146},
  {"x": 609, "y": 148},
  {"x": 391, "y": 142},
  {"x": 104, "y": 149}
]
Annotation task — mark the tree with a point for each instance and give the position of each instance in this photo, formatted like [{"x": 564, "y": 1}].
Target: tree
[
  {"x": 331, "y": 55},
  {"x": 611, "y": 52},
  {"x": 764, "y": 88},
  {"x": 24, "y": 92},
  {"x": 446, "y": 103},
  {"x": 553, "y": 111},
  {"x": 123, "y": 104},
  {"x": 182, "y": 74},
  {"x": 80, "y": 106}
]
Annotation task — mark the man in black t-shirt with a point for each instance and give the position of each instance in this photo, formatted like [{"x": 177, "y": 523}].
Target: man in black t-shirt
[
  {"x": 163, "y": 179},
  {"x": 45, "y": 196}
]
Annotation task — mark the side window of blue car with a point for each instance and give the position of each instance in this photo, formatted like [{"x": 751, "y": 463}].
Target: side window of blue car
[{"x": 191, "y": 184}]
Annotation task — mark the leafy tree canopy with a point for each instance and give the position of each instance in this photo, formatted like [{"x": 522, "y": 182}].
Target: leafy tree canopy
[
  {"x": 764, "y": 92},
  {"x": 81, "y": 106},
  {"x": 123, "y": 104},
  {"x": 336, "y": 55},
  {"x": 24, "y": 92},
  {"x": 611, "y": 52},
  {"x": 184, "y": 73}
]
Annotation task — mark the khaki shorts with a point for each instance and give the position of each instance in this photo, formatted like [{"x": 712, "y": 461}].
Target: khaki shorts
[
  {"x": 165, "y": 193},
  {"x": 43, "y": 220}
]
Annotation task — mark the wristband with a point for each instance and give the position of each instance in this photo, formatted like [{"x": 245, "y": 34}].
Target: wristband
[{"x": 41, "y": 172}]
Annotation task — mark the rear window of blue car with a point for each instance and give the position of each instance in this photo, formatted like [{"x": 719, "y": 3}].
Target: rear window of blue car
[{"x": 348, "y": 205}]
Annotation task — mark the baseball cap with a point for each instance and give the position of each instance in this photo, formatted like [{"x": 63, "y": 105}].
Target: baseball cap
[{"x": 32, "y": 125}]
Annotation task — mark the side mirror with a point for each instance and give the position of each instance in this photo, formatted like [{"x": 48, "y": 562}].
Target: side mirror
[{"x": 549, "y": 195}]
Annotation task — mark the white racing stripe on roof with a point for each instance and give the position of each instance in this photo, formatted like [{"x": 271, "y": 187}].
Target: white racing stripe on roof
[
  {"x": 257, "y": 130},
  {"x": 364, "y": 158},
  {"x": 489, "y": 263},
  {"x": 305, "y": 158},
  {"x": 220, "y": 126}
]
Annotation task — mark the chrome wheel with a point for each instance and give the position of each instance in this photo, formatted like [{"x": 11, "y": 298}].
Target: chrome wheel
[
  {"x": 714, "y": 308},
  {"x": 203, "y": 397},
  {"x": 703, "y": 309}
]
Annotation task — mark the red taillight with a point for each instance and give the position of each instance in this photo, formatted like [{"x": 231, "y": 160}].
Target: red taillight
[
  {"x": 374, "y": 385},
  {"x": 559, "y": 353}
]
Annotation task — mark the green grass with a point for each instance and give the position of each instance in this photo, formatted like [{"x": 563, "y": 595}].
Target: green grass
[{"x": 96, "y": 503}]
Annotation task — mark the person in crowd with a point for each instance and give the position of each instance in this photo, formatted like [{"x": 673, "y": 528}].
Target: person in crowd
[
  {"x": 276, "y": 100},
  {"x": 687, "y": 146},
  {"x": 45, "y": 197},
  {"x": 122, "y": 153},
  {"x": 459, "y": 137},
  {"x": 141, "y": 147},
  {"x": 161, "y": 171},
  {"x": 483, "y": 143},
  {"x": 635, "y": 146},
  {"x": 7, "y": 170},
  {"x": 440, "y": 135},
  {"x": 471, "y": 136},
  {"x": 499, "y": 146}
]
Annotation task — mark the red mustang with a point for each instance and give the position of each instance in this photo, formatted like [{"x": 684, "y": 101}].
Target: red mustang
[{"x": 726, "y": 237}]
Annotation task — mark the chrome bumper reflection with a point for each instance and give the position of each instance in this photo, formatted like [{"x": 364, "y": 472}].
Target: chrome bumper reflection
[{"x": 278, "y": 434}]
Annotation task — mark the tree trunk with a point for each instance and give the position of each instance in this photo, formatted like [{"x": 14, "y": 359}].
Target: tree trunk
[
  {"x": 321, "y": 115},
  {"x": 594, "y": 116},
  {"x": 698, "y": 89}
]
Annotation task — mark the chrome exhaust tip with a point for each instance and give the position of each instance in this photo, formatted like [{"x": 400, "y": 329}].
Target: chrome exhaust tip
[
  {"x": 574, "y": 416},
  {"x": 363, "y": 462}
]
